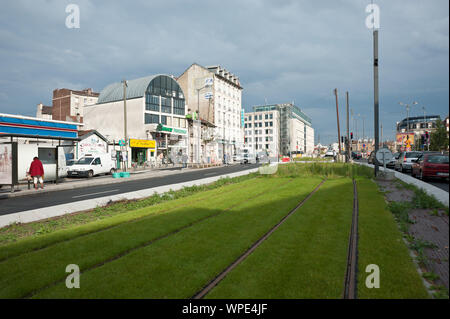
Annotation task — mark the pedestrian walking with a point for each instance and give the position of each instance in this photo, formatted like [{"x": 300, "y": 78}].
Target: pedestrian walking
[
  {"x": 37, "y": 172},
  {"x": 185, "y": 159}
]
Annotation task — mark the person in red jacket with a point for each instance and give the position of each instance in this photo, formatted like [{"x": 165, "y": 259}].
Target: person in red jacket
[{"x": 37, "y": 172}]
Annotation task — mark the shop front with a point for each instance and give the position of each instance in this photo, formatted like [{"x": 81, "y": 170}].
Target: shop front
[
  {"x": 142, "y": 151},
  {"x": 171, "y": 144}
]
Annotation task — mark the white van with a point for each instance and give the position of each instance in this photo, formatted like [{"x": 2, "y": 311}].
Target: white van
[{"x": 91, "y": 165}]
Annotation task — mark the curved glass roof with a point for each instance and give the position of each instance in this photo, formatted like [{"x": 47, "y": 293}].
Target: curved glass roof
[{"x": 136, "y": 88}]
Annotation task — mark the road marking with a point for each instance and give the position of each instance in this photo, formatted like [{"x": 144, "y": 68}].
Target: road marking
[
  {"x": 210, "y": 174},
  {"x": 113, "y": 190}
]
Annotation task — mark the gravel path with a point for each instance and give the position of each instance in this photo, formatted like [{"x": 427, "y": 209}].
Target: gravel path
[{"x": 429, "y": 226}]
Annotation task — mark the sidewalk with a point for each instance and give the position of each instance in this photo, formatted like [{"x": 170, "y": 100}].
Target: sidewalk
[{"x": 72, "y": 183}]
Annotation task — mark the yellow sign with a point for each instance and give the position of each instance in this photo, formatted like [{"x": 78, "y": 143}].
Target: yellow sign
[{"x": 143, "y": 143}]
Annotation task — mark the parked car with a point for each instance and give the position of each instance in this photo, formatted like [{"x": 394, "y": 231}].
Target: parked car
[
  {"x": 431, "y": 165},
  {"x": 248, "y": 158},
  {"x": 356, "y": 155},
  {"x": 391, "y": 163},
  {"x": 330, "y": 154},
  {"x": 92, "y": 165},
  {"x": 404, "y": 161}
]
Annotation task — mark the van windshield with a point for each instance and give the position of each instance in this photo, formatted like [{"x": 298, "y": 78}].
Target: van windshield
[{"x": 84, "y": 161}]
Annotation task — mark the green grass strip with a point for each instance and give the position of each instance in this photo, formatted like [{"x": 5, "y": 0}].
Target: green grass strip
[
  {"x": 37, "y": 242},
  {"x": 28, "y": 272},
  {"x": 180, "y": 265},
  {"x": 305, "y": 257},
  {"x": 381, "y": 243}
]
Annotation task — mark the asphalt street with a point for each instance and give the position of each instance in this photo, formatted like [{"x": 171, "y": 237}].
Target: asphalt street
[{"x": 41, "y": 200}]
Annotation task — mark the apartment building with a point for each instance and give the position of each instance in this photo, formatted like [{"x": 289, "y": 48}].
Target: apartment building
[
  {"x": 216, "y": 95},
  {"x": 279, "y": 129}
]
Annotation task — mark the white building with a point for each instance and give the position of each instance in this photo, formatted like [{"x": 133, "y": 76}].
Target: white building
[
  {"x": 217, "y": 95},
  {"x": 280, "y": 129},
  {"x": 156, "y": 118}
]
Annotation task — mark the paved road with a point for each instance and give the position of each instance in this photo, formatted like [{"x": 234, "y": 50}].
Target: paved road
[{"x": 36, "y": 201}]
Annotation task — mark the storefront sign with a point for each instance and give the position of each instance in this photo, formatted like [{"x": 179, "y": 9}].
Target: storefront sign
[
  {"x": 143, "y": 143},
  {"x": 162, "y": 128}
]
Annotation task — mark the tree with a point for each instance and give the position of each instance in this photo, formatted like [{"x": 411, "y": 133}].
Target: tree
[{"x": 439, "y": 138}]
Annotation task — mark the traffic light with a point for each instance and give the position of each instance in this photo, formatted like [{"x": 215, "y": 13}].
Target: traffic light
[
  {"x": 351, "y": 135},
  {"x": 342, "y": 139}
]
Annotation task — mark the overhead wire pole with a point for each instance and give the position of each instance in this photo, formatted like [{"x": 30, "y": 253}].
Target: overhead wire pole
[
  {"x": 337, "y": 116},
  {"x": 347, "y": 146},
  {"x": 376, "y": 94}
]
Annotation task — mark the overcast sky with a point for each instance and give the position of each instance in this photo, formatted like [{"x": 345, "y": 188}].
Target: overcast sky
[{"x": 281, "y": 50}]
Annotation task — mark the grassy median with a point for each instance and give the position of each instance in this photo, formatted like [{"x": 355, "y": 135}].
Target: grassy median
[
  {"x": 305, "y": 257},
  {"x": 381, "y": 243},
  {"x": 30, "y": 271},
  {"x": 181, "y": 264}
]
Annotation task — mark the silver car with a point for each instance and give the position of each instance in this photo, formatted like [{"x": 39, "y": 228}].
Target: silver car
[
  {"x": 405, "y": 161},
  {"x": 391, "y": 163}
]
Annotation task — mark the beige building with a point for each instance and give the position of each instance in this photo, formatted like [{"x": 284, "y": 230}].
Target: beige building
[{"x": 216, "y": 94}]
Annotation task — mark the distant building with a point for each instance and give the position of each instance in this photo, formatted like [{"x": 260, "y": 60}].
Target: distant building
[
  {"x": 279, "y": 129},
  {"x": 44, "y": 112},
  {"x": 68, "y": 105},
  {"x": 411, "y": 129}
]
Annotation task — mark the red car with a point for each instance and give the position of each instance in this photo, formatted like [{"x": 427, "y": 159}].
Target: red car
[{"x": 431, "y": 165}]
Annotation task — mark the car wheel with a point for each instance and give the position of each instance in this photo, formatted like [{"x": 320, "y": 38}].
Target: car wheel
[
  {"x": 112, "y": 171},
  {"x": 90, "y": 174}
]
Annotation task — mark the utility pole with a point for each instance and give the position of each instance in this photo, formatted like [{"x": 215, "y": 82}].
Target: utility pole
[
  {"x": 337, "y": 116},
  {"x": 381, "y": 125},
  {"x": 376, "y": 93},
  {"x": 347, "y": 146},
  {"x": 125, "y": 84}
]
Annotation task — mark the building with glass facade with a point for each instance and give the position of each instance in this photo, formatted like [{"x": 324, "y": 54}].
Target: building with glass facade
[{"x": 156, "y": 111}]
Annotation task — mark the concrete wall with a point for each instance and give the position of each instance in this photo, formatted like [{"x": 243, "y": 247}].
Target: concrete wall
[{"x": 108, "y": 119}]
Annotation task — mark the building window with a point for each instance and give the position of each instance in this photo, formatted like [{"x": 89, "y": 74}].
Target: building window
[
  {"x": 164, "y": 119},
  {"x": 267, "y": 116},
  {"x": 250, "y": 118},
  {"x": 166, "y": 105},
  {"x": 271, "y": 115},
  {"x": 178, "y": 107},
  {"x": 267, "y": 124},
  {"x": 152, "y": 103},
  {"x": 271, "y": 124},
  {"x": 151, "y": 118}
]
